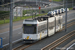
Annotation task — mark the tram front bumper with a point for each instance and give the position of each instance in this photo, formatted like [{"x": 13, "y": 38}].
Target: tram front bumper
[{"x": 29, "y": 41}]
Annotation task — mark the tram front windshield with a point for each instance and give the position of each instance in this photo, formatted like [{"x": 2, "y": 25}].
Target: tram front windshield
[{"x": 29, "y": 28}]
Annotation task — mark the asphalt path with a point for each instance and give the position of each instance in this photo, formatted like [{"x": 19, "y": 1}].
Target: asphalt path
[
  {"x": 17, "y": 32},
  {"x": 50, "y": 6}
]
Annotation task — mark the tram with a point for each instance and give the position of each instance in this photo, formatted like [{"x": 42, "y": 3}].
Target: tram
[{"x": 41, "y": 27}]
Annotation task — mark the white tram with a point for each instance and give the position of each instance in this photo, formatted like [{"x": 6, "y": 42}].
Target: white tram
[{"x": 40, "y": 27}]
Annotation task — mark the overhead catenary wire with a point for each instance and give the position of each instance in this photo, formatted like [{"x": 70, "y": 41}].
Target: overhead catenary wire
[{"x": 9, "y": 3}]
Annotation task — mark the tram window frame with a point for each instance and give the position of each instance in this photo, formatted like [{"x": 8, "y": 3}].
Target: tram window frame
[
  {"x": 35, "y": 29},
  {"x": 51, "y": 28},
  {"x": 42, "y": 27},
  {"x": 57, "y": 22},
  {"x": 51, "y": 24},
  {"x": 61, "y": 20}
]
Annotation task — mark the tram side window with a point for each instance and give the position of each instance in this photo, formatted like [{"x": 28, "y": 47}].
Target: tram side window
[
  {"x": 61, "y": 20},
  {"x": 29, "y": 29},
  {"x": 42, "y": 27},
  {"x": 51, "y": 25},
  {"x": 50, "y": 28},
  {"x": 57, "y": 22}
]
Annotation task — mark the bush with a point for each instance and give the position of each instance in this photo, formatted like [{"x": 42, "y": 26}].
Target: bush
[{"x": 4, "y": 14}]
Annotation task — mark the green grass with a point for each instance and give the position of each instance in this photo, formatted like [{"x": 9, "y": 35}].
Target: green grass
[
  {"x": 70, "y": 8},
  {"x": 2, "y": 21},
  {"x": 57, "y": 0},
  {"x": 19, "y": 18},
  {"x": 4, "y": 14}
]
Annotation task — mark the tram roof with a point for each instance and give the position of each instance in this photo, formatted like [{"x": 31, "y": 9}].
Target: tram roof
[{"x": 42, "y": 18}]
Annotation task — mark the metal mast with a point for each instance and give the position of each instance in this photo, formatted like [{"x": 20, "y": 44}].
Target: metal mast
[
  {"x": 66, "y": 17},
  {"x": 11, "y": 25}
]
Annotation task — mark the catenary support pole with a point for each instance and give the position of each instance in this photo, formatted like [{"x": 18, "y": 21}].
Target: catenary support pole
[
  {"x": 55, "y": 24},
  {"x": 72, "y": 2},
  {"x": 66, "y": 18},
  {"x": 51, "y": 5},
  {"x": 63, "y": 3},
  {"x": 47, "y": 26},
  {"x": 13, "y": 7},
  {"x": 36, "y": 2},
  {"x": 11, "y": 25}
]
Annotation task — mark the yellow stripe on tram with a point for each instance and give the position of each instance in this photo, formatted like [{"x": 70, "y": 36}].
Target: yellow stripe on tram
[
  {"x": 27, "y": 37},
  {"x": 40, "y": 35}
]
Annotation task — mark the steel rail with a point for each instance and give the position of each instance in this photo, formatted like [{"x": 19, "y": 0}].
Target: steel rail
[
  {"x": 55, "y": 42},
  {"x": 19, "y": 47},
  {"x": 70, "y": 24},
  {"x": 23, "y": 46},
  {"x": 66, "y": 46},
  {"x": 66, "y": 38}
]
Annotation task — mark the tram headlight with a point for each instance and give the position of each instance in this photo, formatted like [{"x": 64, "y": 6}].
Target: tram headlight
[{"x": 24, "y": 38}]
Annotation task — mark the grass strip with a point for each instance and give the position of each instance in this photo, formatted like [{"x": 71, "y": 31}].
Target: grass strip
[{"x": 19, "y": 18}]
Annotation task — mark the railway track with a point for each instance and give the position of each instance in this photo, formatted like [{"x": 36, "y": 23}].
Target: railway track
[
  {"x": 22, "y": 47},
  {"x": 67, "y": 46},
  {"x": 57, "y": 42},
  {"x": 19, "y": 47},
  {"x": 68, "y": 25}
]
